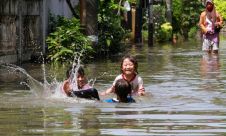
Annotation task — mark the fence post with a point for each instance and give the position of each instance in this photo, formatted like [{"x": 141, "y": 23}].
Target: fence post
[
  {"x": 150, "y": 23},
  {"x": 133, "y": 12},
  {"x": 138, "y": 23}
]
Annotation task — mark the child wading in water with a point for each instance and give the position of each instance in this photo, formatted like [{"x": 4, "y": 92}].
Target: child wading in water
[
  {"x": 129, "y": 72},
  {"x": 123, "y": 91},
  {"x": 84, "y": 89}
]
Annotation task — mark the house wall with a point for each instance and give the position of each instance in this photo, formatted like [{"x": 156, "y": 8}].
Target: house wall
[
  {"x": 24, "y": 25},
  {"x": 20, "y": 29}
]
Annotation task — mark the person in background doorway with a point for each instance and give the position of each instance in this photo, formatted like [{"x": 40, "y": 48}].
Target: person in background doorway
[
  {"x": 210, "y": 23},
  {"x": 127, "y": 8}
]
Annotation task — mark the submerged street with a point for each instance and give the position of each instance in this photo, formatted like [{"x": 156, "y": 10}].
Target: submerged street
[{"x": 186, "y": 95}]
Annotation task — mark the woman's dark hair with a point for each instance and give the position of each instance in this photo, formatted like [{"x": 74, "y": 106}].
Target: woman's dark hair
[
  {"x": 122, "y": 90},
  {"x": 80, "y": 71},
  {"x": 132, "y": 59}
]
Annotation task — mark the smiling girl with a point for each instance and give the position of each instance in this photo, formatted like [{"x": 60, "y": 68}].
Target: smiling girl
[{"x": 129, "y": 73}]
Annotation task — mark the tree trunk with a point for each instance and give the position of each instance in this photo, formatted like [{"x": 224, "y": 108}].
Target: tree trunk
[
  {"x": 185, "y": 34},
  {"x": 150, "y": 23},
  {"x": 169, "y": 10},
  {"x": 82, "y": 4}
]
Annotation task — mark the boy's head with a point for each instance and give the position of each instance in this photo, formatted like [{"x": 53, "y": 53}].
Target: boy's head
[
  {"x": 81, "y": 80},
  {"x": 80, "y": 71},
  {"x": 122, "y": 90}
]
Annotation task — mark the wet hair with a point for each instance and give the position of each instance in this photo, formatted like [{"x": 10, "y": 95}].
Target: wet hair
[
  {"x": 133, "y": 60},
  {"x": 80, "y": 71},
  {"x": 122, "y": 90}
]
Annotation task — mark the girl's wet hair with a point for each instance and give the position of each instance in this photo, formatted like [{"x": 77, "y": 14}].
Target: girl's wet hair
[
  {"x": 122, "y": 89},
  {"x": 133, "y": 60},
  {"x": 80, "y": 71}
]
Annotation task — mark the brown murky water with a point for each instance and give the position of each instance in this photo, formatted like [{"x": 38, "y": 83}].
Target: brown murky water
[{"x": 186, "y": 95}]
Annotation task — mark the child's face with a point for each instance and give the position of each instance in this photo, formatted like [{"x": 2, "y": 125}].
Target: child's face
[
  {"x": 128, "y": 67},
  {"x": 81, "y": 81}
]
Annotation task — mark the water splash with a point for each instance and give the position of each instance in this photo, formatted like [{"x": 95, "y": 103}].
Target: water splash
[
  {"x": 34, "y": 85},
  {"x": 74, "y": 74},
  {"x": 44, "y": 72},
  {"x": 45, "y": 89}
]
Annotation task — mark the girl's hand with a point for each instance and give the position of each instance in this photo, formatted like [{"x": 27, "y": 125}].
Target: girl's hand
[
  {"x": 103, "y": 93},
  {"x": 141, "y": 91},
  {"x": 108, "y": 91}
]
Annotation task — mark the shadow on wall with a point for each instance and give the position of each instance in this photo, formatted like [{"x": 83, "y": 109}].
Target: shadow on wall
[{"x": 20, "y": 30}]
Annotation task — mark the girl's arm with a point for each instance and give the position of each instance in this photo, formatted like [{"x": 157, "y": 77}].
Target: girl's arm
[
  {"x": 108, "y": 91},
  {"x": 112, "y": 89},
  {"x": 140, "y": 88}
]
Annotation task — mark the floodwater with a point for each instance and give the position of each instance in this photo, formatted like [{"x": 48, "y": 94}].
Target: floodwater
[{"x": 186, "y": 95}]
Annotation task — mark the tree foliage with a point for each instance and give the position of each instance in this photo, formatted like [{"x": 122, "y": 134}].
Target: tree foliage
[
  {"x": 221, "y": 7},
  {"x": 162, "y": 28},
  {"x": 165, "y": 32},
  {"x": 110, "y": 31},
  {"x": 186, "y": 15}
]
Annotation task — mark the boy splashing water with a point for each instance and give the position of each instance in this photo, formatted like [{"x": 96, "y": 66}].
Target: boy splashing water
[{"x": 79, "y": 87}]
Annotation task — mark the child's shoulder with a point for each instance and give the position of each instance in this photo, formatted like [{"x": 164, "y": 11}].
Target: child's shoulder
[
  {"x": 138, "y": 78},
  {"x": 119, "y": 77}
]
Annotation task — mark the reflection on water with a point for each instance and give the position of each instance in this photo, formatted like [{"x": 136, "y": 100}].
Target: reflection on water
[
  {"x": 186, "y": 97},
  {"x": 210, "y": 66}
]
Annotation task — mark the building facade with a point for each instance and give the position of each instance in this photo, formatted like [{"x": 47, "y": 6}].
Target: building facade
[{"x": 24, "y": 25}]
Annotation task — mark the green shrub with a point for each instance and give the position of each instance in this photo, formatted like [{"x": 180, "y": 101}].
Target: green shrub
[
  {"x": 67, "y": 41},
  {"x": 165, "y": 33},
  {"x": 185, "y": 15},
  {"x": 221, "y": 7},
  {"x": 193, "y": 31}
]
